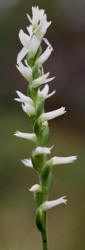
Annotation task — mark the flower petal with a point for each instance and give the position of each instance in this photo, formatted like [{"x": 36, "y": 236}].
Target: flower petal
[
  {"x": 23, "y": 52},
  {"x": 29, "y": 136},
  {"x": 63, "y": 160},
  {"x": 27, "y": 163},
  {"x": 24, "y": 38},
  {"x": 25, "y": 71},
  {"x": 43, "y": 150},
  {"x": 28, "y": 109},
  {"x": 53, "y": 114},
  {"x": 43, "y": 58},
  {"x": 50, "y": 204},
  {"x": 35, "y": 188},
  {"x": 23, "y": 98},
  {"x": 42, "y": 80}
]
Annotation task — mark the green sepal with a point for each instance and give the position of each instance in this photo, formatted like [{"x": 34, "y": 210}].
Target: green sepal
[
  {"x": 39, "y": 51},
  {"x": 48, "y": 184},
  {"x": 32, "y": 92},
  {"x": 40, "y": 219},
  {"x": 39, "y": 106},
  {"x": 46, "y": 178},
  {"x": 45, "y": 172},
  {"x": 42, "y": 132},
  {"x": 30, "y": 61},
  {"x": 38, "y": 161},
  {"x": 39, "y": 197},
  {"x": 36, "y": 73}
]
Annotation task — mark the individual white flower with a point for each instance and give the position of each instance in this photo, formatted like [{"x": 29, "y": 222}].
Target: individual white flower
[
  {"x": 39, "y": 22},
  {"x": 29, "y": 136},
  {"x": 63, "y": 160},
  {"x": 35, "y": 188},
  {"x": 27, "y": 163},
  {"x": 44, "y": 92},
  {"x": 28, "y": 109},
  {"x": 41, "y": 80},
  {"x": 26, "y": 71},
  {"x": 30, "y": 46},
  {"x": 43, "y": 150},
  {"x": 23, "y": 98},
  {"x": 31, "y": 43},
  {"x": 53, "y": 114},
  {"x": 50, "y": 204},
  {"x": 46, "y": 54}
]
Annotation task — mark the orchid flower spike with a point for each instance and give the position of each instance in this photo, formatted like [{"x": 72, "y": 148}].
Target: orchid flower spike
[{"x": 30, "y": 62}]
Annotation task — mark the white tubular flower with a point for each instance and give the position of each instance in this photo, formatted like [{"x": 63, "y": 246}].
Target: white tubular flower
[
  {"x": 28, "y": 109},
  {"x": 43, "y": 150},
  {"x": 41, "y": 80},
  {"x": 31, "y": 43},
  {"x": 63, "y": 160},
  {"x": 39, "y": 22},
  {"x": 27, "y": 163},
  {"x": 23, "y": 98},
  {"x": 26, "y": 71},
  {"x": 44, "y": 57},
  {"x": 50, "y": 204},
  {"x": 53, "y": 114},
  {"x": 35, "y": 188},
  {"x": 29, "y": 136},
  {"x": 44, "y": 92}
]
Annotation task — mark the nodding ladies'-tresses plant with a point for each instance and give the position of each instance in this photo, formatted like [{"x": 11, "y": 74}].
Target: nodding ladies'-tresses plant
[{"x": 33, "y": 106}]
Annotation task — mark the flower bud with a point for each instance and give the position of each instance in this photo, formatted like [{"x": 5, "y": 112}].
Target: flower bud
[
  {"x": 35, "y": 188},
  {"x": 27, "y": 163}
]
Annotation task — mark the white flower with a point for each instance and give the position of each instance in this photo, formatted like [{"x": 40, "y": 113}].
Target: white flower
[
  {"x": 35, "y": 188},
  {"x": 53, "y": 114},
  {"x": 23, "y": 98},
  {"x": 39, "y": 22},
  {"x": 27, "y": 163},
  {"x": 41, "y": 80},
  {"x": 40, "y": 60},
  {"x": 44, "y": 92},
  {"x": 43, "y": 150},
  {"x": 50, "y": 204},
  {"x": 63, "y": 160},
  {"x": 31, "y": 43},
  {"x": 26, "y": 71},
  {"x": 28, "y": 109},
  {"x": 29, "y": 136}
]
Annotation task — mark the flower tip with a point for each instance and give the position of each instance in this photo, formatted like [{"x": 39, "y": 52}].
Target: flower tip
[
  {"x": 35, "y": 188},
  {"x": 27, "y": 163},
  {"x": 63, "y": 199},
  {"x": 16, "y": 133}
]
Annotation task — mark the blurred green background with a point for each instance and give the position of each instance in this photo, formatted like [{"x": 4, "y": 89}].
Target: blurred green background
[{"x": 66, "y": 224}]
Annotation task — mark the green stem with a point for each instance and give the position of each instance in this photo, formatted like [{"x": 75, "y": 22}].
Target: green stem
[{"x": 44, "y": 235}]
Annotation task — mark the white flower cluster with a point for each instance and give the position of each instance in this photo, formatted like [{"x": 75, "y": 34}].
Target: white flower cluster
[{"x": 31, "y": 42}]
